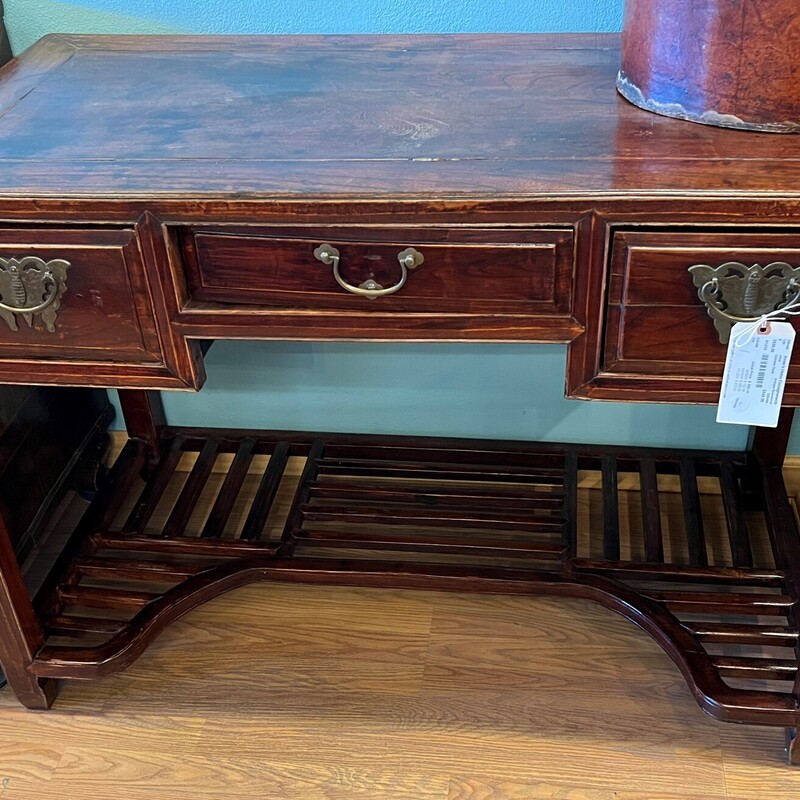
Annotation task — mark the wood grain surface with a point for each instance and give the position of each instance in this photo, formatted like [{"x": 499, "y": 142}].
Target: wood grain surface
[
  {"x": 281, "y": 691},
  {"x": 480, "y": 115}
]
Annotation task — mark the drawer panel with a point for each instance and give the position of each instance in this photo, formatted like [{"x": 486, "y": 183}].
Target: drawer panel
[
  {"x": 102, "y": 313},
  {"x": 519, "y": 273},
  {"x": 658, "y": 341}
]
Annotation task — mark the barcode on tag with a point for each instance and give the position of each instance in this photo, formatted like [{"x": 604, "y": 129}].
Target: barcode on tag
[
  {"x": 762, "y": 372},
  {"x": 755, "y": 374}
]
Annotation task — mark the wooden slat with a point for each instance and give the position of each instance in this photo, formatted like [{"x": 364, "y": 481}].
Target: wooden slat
[
  {"x": 427, "y": 466},
  {"x": 182, "y": 545},
  {"x": 126, "y": 569},
  {"x": 427, "y": 518},
  {"x": 438, "y": 544},
  {"x": 153, "y": 491},
  {"x": 294, "y": 519},
  {"x": 570, "y": 530},
  {"x": 692, "y": 514},
  {"x": 680, "y": 572},
  {"x": 217, "y": 519},
  {"x": 192, "y": 489},
  {"x": 734, "y": 514},
  {"x": 91, "y": 597},
  {"x": 651, "y": 512},
  {"x": 519, "y": 500},
  {"x": 402, "y": 449},
  {"x": 265, "y": 494},
  {"x": 725, "y": 602},
  {"x": 443, "y": 472},
  {"x": 759, "y": 635},
  {"x": 610, "y": 509},
  {"x": 756, "y": 668},
  {"x": 68, "y": 625}
]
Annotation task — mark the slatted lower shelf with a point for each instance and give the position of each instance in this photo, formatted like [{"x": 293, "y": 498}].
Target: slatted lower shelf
[{"x": 698, "y": 549}]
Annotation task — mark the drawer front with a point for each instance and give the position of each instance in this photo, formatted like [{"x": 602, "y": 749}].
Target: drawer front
[
  {"x": 659, "y": 343},
  {"x": 100, "y": 315},
  {"x": 76, "y": 307},
  {"x": 518, "y": 274}
]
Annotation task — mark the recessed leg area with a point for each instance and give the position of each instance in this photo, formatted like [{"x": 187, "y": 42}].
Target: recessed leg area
[{"x": 674, "y": 541}]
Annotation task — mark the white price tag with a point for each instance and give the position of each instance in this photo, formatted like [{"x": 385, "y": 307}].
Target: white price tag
[{"x": 755, "y": 374}]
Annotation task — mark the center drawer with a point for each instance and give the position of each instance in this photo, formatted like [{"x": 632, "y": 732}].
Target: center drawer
[{"x": 492, "y": 283}]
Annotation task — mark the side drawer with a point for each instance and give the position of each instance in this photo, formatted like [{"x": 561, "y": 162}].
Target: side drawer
[
  {"x": 76, "y": 307},
  {"x": 657, "y": 341},
  {"x": 516, "y": 280}
]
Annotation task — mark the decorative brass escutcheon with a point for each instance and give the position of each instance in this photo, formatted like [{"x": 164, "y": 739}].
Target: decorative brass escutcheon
[
  {"x": 31, "y": 287},
  {"x": 734, "y": 292},
  {"x": 371, "y": 289}
]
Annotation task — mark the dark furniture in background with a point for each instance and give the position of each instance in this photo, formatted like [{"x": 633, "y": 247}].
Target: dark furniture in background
[
  {"x": 46, "y": 435},
  {"x": 5, "y": 47},
  {"x": 390, "y": 188}
]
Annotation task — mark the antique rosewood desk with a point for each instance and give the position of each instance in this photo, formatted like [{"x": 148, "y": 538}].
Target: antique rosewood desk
[{"x": 160, "y": 193}]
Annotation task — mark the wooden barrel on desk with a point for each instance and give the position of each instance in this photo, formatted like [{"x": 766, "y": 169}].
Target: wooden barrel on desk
[{"x": 717, "y": 62}]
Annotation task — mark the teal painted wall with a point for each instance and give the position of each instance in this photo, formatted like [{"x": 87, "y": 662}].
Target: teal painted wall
[
  {"x": 30, "y": 19},
  {"x": 485, "y": 390},
  {"x": 495, "y": 391}
]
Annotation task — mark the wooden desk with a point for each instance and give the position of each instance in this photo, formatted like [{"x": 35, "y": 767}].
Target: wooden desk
[{"x": 171, "y": 191}]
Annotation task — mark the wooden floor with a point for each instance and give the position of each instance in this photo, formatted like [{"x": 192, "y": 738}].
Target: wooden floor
[
  {"x": 378, "y": 694},
  {"x": 389, "y": 694}
]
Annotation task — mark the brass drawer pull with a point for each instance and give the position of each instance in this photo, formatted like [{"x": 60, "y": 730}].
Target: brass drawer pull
[
  {"x": 371, "y": 289},
  {"x": 31, "y": 286},
  {"x": 734, "y": 292}
]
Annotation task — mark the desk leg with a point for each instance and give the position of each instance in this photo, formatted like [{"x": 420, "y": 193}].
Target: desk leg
[
  {"x": 769, "y": 444},
  {"x": 769, "y": 448},
  {"x": 21, "y": 634},
  {"x": 144, "y": 418}
]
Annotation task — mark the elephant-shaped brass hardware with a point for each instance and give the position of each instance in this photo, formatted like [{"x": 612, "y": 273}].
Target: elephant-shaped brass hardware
[{"x": 31, "y": 287}]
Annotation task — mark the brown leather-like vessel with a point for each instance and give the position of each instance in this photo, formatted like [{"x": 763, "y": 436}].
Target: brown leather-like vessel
[{"x": 732, "y": 64}]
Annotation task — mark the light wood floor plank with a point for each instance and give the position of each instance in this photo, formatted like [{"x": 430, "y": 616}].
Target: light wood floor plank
[
  {"x": 103, "y": 774},
  {"x": 471, "y": 787},
  {"x": 754, "y": 765},
  {"x": 24, "y": 761}
]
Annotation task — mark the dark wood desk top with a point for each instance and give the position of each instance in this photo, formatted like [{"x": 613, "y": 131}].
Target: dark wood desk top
[{"x": 481, "y": 116}]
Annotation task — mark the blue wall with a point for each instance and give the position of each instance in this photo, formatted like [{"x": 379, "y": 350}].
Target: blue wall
[
  {"x": 30, "y": 19},
  {"x": 496, "y": 391},
  {"x": 511, "y": 391}
]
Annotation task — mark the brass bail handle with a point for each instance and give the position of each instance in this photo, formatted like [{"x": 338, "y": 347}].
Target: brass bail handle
[{"x": 371, "y": 289}]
